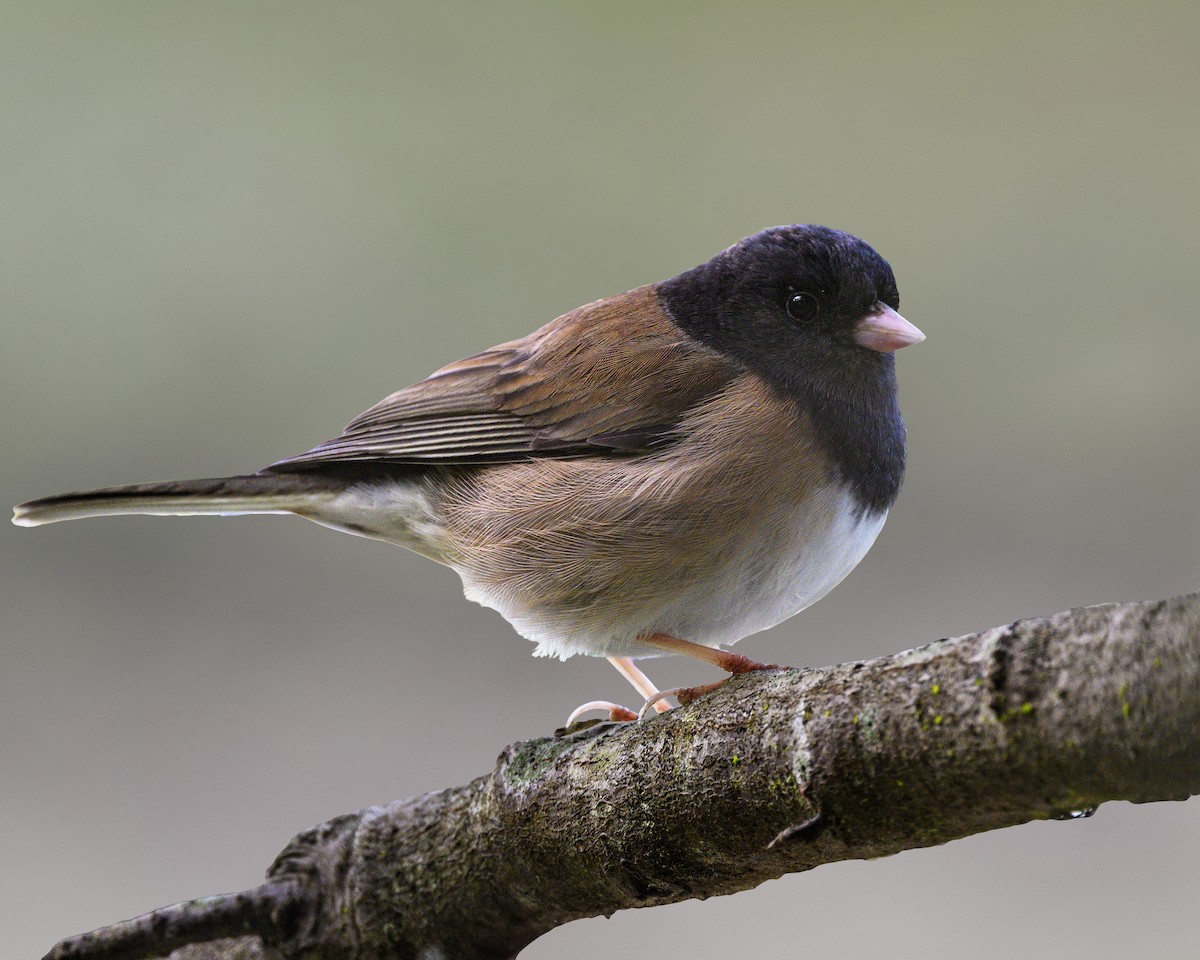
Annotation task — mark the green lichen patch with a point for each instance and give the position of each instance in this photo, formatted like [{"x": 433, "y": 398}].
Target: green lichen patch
[
  {"x": 1012, "y": 714},
  {"x": 1126, "y": 704},
  {"x": 785, "y": 787}
]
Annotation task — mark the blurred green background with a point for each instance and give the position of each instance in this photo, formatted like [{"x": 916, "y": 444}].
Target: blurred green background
[{"x": 226, "y": 228}]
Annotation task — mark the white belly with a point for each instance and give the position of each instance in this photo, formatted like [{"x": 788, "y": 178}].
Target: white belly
[{"x": 765, "y": 586}]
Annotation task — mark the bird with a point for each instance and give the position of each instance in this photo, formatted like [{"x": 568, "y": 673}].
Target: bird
[{"x": 668, "y": 470}]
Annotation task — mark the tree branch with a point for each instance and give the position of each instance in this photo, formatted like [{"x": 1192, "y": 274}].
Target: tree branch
[{"x": 774, "y": 773}]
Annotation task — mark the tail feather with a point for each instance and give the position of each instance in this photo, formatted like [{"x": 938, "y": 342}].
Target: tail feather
[{"x": 261, "y": 493}]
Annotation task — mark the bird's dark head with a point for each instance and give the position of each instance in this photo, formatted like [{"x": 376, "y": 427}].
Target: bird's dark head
[
  {"x": 813, "y": 312},
  {"x": 800, "y": 304}
]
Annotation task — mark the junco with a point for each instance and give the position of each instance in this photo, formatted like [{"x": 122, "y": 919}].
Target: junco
[{"x": 664, "y": 471}]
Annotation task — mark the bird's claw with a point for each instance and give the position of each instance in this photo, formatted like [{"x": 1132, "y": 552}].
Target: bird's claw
[{"x": 616, "y": 712}]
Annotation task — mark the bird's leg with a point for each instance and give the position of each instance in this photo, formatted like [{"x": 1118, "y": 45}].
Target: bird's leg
[
  {"x": 734, "y": 663},
  {"x": 641, "y": 683}
]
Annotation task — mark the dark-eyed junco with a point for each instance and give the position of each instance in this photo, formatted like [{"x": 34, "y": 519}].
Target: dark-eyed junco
[{"x": 664, "y": 471}]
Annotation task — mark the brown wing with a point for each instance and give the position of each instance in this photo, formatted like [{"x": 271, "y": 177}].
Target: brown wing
[{"x": 616, "y": 374}]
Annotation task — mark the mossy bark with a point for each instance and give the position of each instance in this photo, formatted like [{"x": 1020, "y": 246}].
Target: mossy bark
[{"x": 774, "y": 773}]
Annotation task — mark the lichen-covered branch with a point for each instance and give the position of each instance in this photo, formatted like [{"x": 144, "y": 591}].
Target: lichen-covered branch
[{"x": 775, "y": 772}]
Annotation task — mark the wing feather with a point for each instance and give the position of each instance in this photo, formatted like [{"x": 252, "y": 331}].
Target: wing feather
[{"x": 613, "y": 375}]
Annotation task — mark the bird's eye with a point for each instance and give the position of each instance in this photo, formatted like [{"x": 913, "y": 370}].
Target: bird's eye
[{"x": 803, "y": 307}]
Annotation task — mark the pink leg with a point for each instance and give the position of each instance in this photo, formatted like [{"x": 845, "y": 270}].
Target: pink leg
[
  {"x": 641, "y": 683},
  {"x": 730, "y": 662}
]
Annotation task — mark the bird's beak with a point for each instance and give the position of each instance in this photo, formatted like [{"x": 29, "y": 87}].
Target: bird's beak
[{"x": 883, "y": 329}]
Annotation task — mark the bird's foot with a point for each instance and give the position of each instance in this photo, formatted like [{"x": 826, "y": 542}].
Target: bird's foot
[
  {"x": 732, "y": 663},
  {"x": 735, "y": 663},
  {"x": 684, "y": 695},
  {"x": 642, "y": 683},
  {"x": 655, "y": 700},
  {"x": 615, "y": 711}
]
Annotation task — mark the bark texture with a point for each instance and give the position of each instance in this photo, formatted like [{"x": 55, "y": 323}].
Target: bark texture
[{"x": 775, "y": 772}]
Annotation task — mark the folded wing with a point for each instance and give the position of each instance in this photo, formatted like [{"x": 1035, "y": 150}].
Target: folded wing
[{"x": 614, "y": 375}]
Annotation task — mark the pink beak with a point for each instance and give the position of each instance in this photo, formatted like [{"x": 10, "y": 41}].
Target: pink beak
[{"x": 885, "y": 330}]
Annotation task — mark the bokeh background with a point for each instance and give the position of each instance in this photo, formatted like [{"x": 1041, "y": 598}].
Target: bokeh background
[{"x": 228, "y": 227}]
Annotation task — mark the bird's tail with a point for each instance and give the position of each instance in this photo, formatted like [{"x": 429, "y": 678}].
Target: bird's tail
[{"x": 260, "y": 493}]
